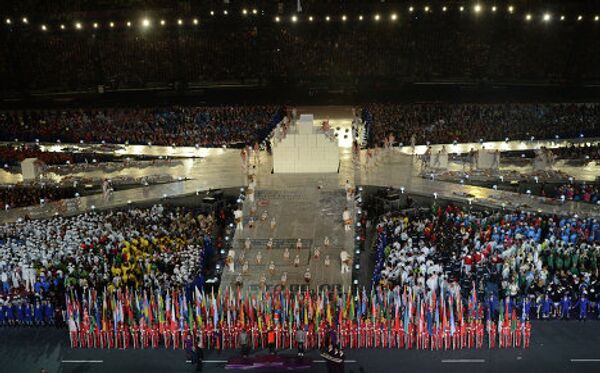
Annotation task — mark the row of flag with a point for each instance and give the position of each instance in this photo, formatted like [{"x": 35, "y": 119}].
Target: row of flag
[{"x": 383, "y": 317}]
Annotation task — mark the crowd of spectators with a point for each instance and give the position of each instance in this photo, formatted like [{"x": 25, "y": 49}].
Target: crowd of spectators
[
  {"x": 21, "y": 195},
  {"x": 580, "y": 192},
  {"x": 14, "y": 155},
  {"x": 508, "y": 254},
  {"x": 445, "y": 123},
  {"x": 178, "y": 125},
  {"x": 158, "y": 247},
  {"x": 419, "y": 49}
]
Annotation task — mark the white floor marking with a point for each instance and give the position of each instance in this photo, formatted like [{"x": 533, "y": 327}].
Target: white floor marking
[
  {"x": 82, "y": 361},
  {"x": 323, "y": 361},
  {"x": 585, "y": 360},
  {"x": 463, "y": 361}
]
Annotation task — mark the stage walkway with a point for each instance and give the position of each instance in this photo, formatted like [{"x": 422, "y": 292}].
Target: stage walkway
[{"x": 308, "y": 214}]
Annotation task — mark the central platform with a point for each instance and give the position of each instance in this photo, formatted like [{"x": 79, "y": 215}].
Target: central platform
[
  {"x": 304, "y": 213},
  {"x": 305, "y": 148}
]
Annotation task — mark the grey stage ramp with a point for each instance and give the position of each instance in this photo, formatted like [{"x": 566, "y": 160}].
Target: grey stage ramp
[{"x": 307, "y": 213}]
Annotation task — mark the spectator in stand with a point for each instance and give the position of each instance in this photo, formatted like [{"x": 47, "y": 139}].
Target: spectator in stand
[
  {"x": 580, "y": 192},
  {"x": 444, "y": 123},
  {"x": 178, "y": 125},
  {"x": 21, "y": 196}
]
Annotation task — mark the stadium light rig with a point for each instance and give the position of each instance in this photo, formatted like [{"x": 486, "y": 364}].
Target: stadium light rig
[
  {"x": 547, "y": 17},
  {"x": 277, "y": 19},
  {"x": 377, "y": 17},
  {"x": 411, "y": 9},
  {"x": 344, "y": 18},
  {"x": 579, "y": 17},
  {"x": 146, "y": 22},
  {"x": 8, "y": 21},
  {"x": 212, "y": 12},
  {"x": 360, "y": 17},
  {"x": 511, "y": 9},
  {"x": 562, "y": 18},
  {"x": 254, "y": 11},
  {"x": 477, "y": 8},
  {"x": 462, "y": 8},
  {"x": 394, "y": 17},
  {"x": 180, "y": 22},
  {"x": 444, "y": 8},
  {"x": 95, "y": 25},
  {"x": 328, "y": 18},
  {"x": 310, "y": 18},
  {"x": 162, "y": 22},
  {"x": 62, "y": 27},
  {"x": 294, "y": 19},
  {"x": 25, "y": 20},
  {"x": 111, "y": 25},
  {"x": 44, "y": 28},
  {"x": 426, "y": 8},
  {"x": 528, "y": 17},
  {"x": 244, "y": 11},
  {"x": 78, "y": 25},
  {"x": 128, "y": 24},
  {"x": 195, "y": 21},
  {"x": 494, "y": 9}
]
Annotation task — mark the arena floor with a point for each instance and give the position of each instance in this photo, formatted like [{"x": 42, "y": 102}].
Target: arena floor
[
  {"x": 556, "y": 346},
  {"x": 303, "y": 211}
]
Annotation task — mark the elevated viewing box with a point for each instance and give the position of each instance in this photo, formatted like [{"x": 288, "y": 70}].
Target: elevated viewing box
[{"x": 306, "y": 149}]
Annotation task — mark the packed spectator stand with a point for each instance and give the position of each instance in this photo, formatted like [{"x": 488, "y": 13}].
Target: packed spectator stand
[
  {"x": 12, "y": 196},
  {"x": 446, "y": 123},
  {"x": 579, "y": 192},
  {"x": 436, "y": 47},
  {"x": 177, "y": 125}
]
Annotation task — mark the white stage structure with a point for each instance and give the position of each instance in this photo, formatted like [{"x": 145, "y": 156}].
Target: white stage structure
[
  {"x": 305, "y": 149},
  {"x": 31, "y": 168},
  {"x": 439, "y": 160},
  {"x": 488, "y": 159}
]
